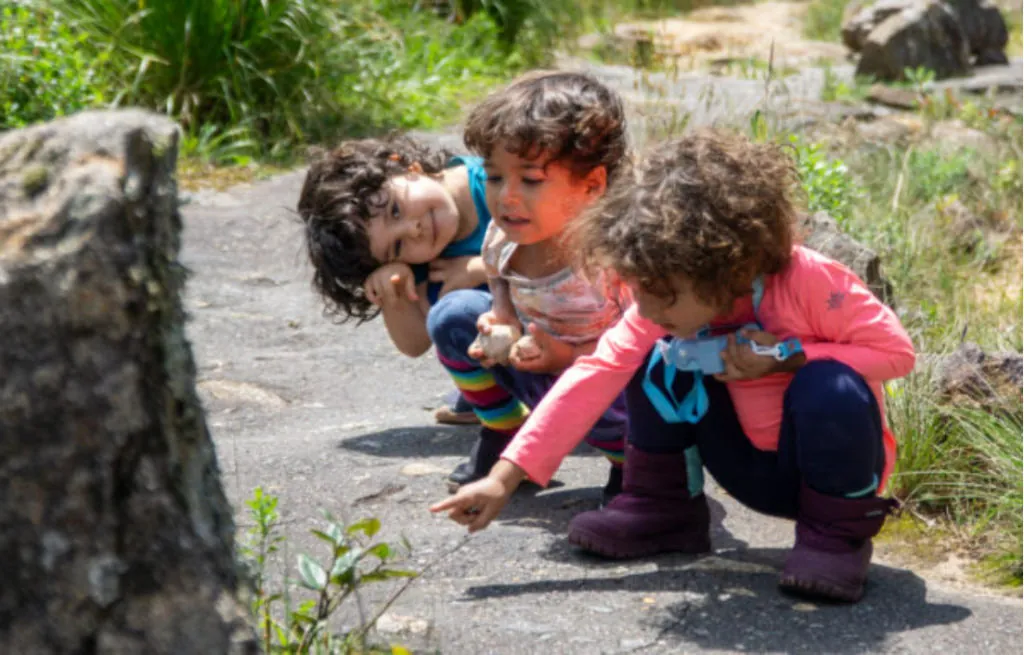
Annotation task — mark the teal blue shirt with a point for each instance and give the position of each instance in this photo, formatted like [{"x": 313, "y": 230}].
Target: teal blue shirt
[{"x": 471, "y": 244}]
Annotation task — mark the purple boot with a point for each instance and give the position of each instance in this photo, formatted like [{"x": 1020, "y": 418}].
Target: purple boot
[
  {"x": 833, "y": 545},
  {"x": 653, "y": 514}
]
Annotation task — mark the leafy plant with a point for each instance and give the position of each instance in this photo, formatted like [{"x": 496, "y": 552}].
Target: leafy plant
[
  {"x": 223, "y": 62},
  {"x": 45, "y": 71},
  {"x": 826, "y": 181},
  {"x": 354, "y": 560},
  {"x": 212, "y": 145},
  {"x": 919, "y": 78},
  {"x": 834, "y": 89}
]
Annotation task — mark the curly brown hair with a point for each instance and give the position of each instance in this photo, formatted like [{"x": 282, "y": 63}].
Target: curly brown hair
[
  {"x": 570, "y": 117},
  {"x": 342, "y": 190},
  {"x": 712, "y": 207}
]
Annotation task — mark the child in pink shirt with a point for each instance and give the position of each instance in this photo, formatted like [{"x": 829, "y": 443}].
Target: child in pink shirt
[{"x": 789, "y": 422}]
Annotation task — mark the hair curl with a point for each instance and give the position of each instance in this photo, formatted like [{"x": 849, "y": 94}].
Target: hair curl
[
  {"x": 342, "y": 190},
  {"x": 570, "y": 117},
  {"x": 712, "y": 207}
]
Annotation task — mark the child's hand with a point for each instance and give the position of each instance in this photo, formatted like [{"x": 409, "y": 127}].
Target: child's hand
[
  {"x": 390, "y": 283},
  {"x": 476, "y": 505},
  {"x": 742, "y": 363},
  {"x": 484, "y": 323},
  {"x": 539, "y": 352},
  {"x": 458, "y": 273}
]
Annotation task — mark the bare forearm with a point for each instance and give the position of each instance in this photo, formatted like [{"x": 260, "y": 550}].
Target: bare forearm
[
  {"x": 407, "y": 326},
  {"x": 502, "y": 305},
  {"x": 477, "y": 272},
  {"x": 508, "y": 474}
]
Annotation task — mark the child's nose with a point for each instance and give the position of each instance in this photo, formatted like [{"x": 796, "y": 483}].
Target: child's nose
[{"x": 508, "y": 197}]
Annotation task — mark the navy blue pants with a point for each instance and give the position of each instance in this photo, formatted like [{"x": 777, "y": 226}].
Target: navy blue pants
[{"x": 830, "y": 439}]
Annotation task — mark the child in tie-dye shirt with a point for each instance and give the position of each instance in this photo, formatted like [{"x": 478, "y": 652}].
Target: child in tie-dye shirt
[{"x": 550, "y": 143}]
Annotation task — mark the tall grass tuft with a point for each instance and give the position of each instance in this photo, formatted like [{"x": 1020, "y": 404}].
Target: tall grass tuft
[
  {"x": 258, "y": 63},
  {"x": 824, "y": 19},
  {"x": 965, "y": 463}
]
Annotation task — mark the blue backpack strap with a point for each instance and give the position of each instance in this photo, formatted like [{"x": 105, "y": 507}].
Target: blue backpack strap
[
  {"x": 758, "y": 286},
  {"x": 782, "y": 350},
  {"x": 693, "y": 407}
]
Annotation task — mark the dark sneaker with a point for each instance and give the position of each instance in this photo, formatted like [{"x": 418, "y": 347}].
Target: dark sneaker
[
  {"x": 613, "y": 487},
  {"x": 485, "y": 454}
]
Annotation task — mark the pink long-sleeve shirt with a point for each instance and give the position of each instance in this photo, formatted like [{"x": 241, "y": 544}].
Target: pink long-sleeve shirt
[{"x": 814, "y": 299}]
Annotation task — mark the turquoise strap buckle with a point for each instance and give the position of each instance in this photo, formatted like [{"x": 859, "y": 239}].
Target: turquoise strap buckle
[{"x": 780, "y": 351}]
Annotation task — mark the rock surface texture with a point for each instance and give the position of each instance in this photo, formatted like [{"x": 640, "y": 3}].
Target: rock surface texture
[
  {"x": 115, "y": 533},
  {"x": 948, "y": 37}
]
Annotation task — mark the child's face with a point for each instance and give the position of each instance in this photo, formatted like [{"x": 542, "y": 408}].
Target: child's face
[
  {"x": 682, "y": 316},
  {"x": 419, "y": 219},
  {"x": 532, "y": 200}
]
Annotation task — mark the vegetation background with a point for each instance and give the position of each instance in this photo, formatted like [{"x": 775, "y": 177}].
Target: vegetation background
[{"x": 253, "y": 82}]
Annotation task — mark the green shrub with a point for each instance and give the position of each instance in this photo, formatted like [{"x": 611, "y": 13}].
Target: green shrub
[
  {"x": 354, "y": 560},
  {"x": 258, "y": 64},
  {"x": 273, "y": 74},
  {"x": 45, "y": 69},
  {"x": 826, "y": 181},
  {"x": 522, "y": 21}
]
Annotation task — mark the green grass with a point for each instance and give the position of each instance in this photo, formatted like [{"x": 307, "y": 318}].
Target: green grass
[
  {"x": 963, "y": 464},
  {"x": 1014, "y": 47},
  {"x": 261, "y": 78},
  {"x": 824, "y": 20}
]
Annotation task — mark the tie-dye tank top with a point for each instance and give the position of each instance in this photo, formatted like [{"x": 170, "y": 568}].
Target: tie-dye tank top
[{"x": 563, "y": 304}]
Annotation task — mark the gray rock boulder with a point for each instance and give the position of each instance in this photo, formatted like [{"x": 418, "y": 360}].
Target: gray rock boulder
[
  {"x": 971, "y": 376},
  {"x": 861, "y": 17},
  {"x": 821, "y": 232},
  {"x": 986, "y": 32},
  {"x": 114, "y": 523},
  {"x": 923, "y": 34},
  {"x": 946, "y": 36}
]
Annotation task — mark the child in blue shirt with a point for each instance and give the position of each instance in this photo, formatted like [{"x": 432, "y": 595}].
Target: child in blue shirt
[{"x": 390, "y": 226}]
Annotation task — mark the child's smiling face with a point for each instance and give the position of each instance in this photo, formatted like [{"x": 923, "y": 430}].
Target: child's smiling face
[
  {"x": 533, "y": 200},
  {"x": 417, "y": 221}
]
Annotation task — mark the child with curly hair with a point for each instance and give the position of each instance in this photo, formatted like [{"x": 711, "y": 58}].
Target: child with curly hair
[
  {"x": 391, "y": 225},
  {"x": 550, "y": 142},
  {"x": 377, "y": 212},
  {"x": 791, "y": 424}
]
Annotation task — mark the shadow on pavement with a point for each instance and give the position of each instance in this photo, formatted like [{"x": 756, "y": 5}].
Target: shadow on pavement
[
  {"x": 428, "y": 441},
  {"x": 553, "y": 508},
  {"x": 732, "y": 603},
  {"x": 416, "y": 441}
]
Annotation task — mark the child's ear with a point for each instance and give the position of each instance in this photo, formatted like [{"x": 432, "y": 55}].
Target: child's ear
[
  {"x": 596, "y": 182},
  {"x": 416, "y": 168}
]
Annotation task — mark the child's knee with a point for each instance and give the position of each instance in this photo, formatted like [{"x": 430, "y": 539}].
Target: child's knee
[
  {"x": 451, "y": 323},
  {"x": 829, "y": 386}
]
